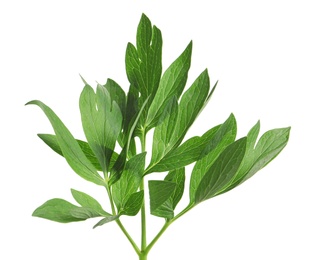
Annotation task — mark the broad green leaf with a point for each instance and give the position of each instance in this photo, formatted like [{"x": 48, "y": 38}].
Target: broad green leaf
[
  {"x": 171, "y": 84},
  {"x": 161, "y": 204},
  {"x": 190, "y": 151},
  {"x": 121, "y": 160},
  {"x": 224, "y": 136},
  {"x": 70, "y": 148},
  {"x": 222, "y": 171},
  {"x": 190, "y": 105},
  {"x": 163, "y": 132},
  {"x": 102, "y": 122},
  {"x": 130, "y": 180},
  {"x": 267, "y": 148},
  {"x": 177, "y": 176},
  {"x": 58, "y": 210},
  {"x": 117, "y": 94},
  {"x": 53, "y": 143},
  {"x": 133, "y": 204},
  {"x": 87, "y": 201},
  {"x": 106, "y": 220}
]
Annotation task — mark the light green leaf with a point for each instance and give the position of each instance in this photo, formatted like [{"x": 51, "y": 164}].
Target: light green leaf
[
  {"x": 102, "y": 122},
  {"x": 106, "y": 220},
  {"x": 171, "y": 84},
  {"x": 178, "y": 177},
  {"x": 53, "y": 143},
  {"x": 70, "y": 148},
  {"x": 190, "y": 105},
  {"x": 58, "y": 210},
  {"x": 130, "y": 180},
  {"x": 161, "y": 204},
  {"x": 87, "y": 201},
  {"x": 133, "y": 204},
  {"x": 222, "y": 171},
  {"x": 224, "y": 136},
  {"x": 84, "y": 213},
  {"x": 163, "y": 132},
  {"x": 190, "y": 151}
]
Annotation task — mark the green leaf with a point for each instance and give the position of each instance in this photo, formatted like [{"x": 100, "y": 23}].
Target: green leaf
[
  {"x": 143, "y": 64},
  {"x": 161, "y": 204},
  {"x": 224, "y": 136},
  {"x": 163, "y": 132},
  {"x": 53, "y": 143},
  {"x": 58, "y": 210},
  {"x": 133, "y": 204},
  {"x": 222, "y": 171},
  {"x": 102, "y": 122},
  {"x": 130, "y": 180},
  {"x": 190, "y": 105},
  {"x": 117, "y": 94},
  {"x": 190, "y": 151},
  {"x": 106, "y": 220},
  {"x": 70, "y": 148},
  {"x": 178, "y": 177},
  {"x": 121, "y": 160},
  {"x": 84, "y": 213},
  {"x": 87, "y": 201},
  {"x": 171, "y": 84}
]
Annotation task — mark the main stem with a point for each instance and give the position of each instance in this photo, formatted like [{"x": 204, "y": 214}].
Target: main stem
[{"x": 143, "y": 255}]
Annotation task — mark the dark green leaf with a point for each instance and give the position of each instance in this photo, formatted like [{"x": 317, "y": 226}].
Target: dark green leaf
[
  {"x": 177, "y": 176},
  {"x": 222, "y": 171},
  {"x": 106, "y": 220},
  {"x": 53, "y": 143},
  {"x": 58, "y": 210},
  {"x": 224, "y": 136},
  {"x": 161, "y": 204},
  {"x": 87, "y": 201},
  {"x": 133, "y": 204},
  {"x": 190, "y": 105},
  {"x": 70, "y": 148},
  {"x": 129, "y": 181},
  {"x": 171, "y": 84},
  {"x": 102, "y": 122}
]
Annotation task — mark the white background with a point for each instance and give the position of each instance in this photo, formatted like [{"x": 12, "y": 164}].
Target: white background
[{"x": 269, "y": 57}]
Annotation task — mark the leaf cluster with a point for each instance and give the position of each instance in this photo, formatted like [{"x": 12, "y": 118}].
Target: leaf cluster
[{"x": 158, "y": 102}]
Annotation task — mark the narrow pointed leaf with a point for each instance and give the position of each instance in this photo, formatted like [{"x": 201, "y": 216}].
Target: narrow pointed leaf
[
  {"x": 70, "y": 148},
  {"x": 161, "y": 204},
  {"x": 222, "y": 171},
  {"x": 130, "y": 180},
  {"x": 58, "y": 210},
  {"x": 87, "y": 201},
  {"x": 106, "y": 220},
  {"x": 102, "y": 122},
  {"x": 225, "y": 135},
  {"x": 133, "y": 204},
  {"x": 53, "y": 143},
  {"x": 171, "y": 84},
  {"x": 178, "y": 177},
  {"x": 190, "y": 105}
]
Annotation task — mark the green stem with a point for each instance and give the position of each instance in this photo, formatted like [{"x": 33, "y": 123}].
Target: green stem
[
  {"x": 119, "y": 223},
  {"x": 143, "y": 208},
  {"x": 166, "y": 225}
]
